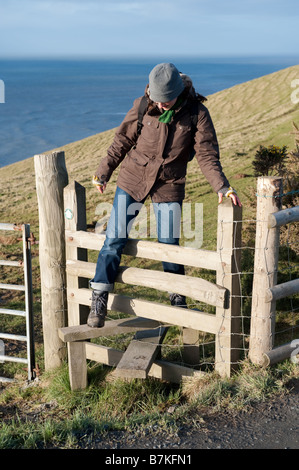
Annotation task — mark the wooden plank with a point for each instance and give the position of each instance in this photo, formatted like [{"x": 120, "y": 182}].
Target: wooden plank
[
  {"x": 282, "y": 290},
  {"x": 166, "y": 314},
  {"x": 283, "y": 217},
  {"x": 196, "y": 288},
  {"x": 174, "y": 373},
  {"x": 77, "y": 365},
  {"x": 162, "y": 370},
  {"x": 103, "y": 354},
  {"x": 191, "y": 346},
  {"x": 140, "y": 354},
  {"x": 187, "y": 256},
  {"x": 111, "y": 328}
]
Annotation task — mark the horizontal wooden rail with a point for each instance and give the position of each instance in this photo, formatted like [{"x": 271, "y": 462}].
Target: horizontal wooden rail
[
  {"x": 283, "y": 217},
  {"x": 196, "y": 288},
  {"x": 152, "y": 250},
  {"x": 282, "y": 290},
  {"x": 80, "y": 351},
  {"x": 166, "y": 314},
  {"x": 162, "y": 370},
  {"x": 279, "y": 354}
]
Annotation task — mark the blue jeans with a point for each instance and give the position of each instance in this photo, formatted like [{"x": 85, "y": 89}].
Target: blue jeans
[{"x": 125, "y": 210}]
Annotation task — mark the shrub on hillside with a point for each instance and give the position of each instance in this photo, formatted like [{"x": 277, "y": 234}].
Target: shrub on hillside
[
  {"x": 277, "y": 161},
  {"x": 269, "y": 160}
]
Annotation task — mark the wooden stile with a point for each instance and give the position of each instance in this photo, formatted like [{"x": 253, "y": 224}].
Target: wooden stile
[{"x": 139, "y": 360}]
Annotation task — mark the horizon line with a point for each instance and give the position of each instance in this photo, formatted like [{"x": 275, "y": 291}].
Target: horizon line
[{"x": 149, "y": 57}]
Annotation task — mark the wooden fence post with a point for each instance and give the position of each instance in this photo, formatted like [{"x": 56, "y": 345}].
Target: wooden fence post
[
  {"x": 262, "y": 328},
  {"x": 227, "y": 342},
  {"x": 51, "y": 177},
  {"x": 75, "y": 219}
]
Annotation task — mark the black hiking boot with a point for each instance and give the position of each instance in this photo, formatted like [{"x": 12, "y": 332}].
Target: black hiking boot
[
  {"x": 178, "y": 300},
  {"x": 98, "y": 311}
]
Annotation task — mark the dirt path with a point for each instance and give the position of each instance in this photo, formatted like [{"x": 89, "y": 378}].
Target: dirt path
[{"x": 271, "y": 425}]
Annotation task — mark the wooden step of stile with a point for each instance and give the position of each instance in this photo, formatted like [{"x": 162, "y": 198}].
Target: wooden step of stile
[
  {"x": 111, "y": 328},
  {"x": 140, "y": 354}
]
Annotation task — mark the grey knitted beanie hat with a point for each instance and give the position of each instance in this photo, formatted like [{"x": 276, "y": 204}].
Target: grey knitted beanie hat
[{"x": 165, "y": 83}]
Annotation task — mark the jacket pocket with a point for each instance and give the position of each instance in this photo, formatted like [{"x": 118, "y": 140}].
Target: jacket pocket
[
  {"x": 137, "y": 158},
  {"x": 173, "y": 173},
  {"x": 147, "y": 143},
  {"x": 133, "y": 169},
  {"x": 183, "y": 136}
]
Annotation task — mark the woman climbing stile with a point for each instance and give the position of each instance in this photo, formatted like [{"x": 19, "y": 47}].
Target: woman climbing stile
[{"x": 154, "y": 163}]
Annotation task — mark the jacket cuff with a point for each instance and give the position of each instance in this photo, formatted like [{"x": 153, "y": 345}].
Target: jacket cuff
[
  {"x": 227, "y": 191},
  {"x": 97, "y": 181}
]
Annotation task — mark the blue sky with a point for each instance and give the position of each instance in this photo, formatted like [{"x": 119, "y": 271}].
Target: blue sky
[{"x": 60, "y": 28}]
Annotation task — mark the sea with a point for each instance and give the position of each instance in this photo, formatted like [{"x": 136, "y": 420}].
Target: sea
[{"x": 47, "y": 103}]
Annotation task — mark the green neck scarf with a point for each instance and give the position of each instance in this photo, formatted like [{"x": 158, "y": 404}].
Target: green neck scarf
[{"x": 168, "y": 114}]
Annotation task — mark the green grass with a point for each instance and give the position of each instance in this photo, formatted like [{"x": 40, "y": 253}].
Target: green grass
[{"x": 49, "y": 414}]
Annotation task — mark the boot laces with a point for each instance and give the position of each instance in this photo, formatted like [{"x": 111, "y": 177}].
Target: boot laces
[
  {"x": 177, "y": 299},
  {"x": 99, "y": 303}
]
